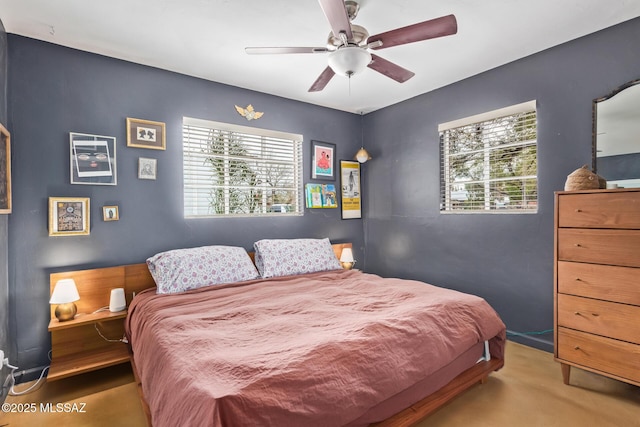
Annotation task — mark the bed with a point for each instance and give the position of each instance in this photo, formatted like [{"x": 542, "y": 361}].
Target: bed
[{"x": 315, "y": 348}]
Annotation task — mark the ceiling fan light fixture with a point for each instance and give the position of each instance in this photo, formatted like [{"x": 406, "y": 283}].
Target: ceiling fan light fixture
[{"x": 349, "y": 60}]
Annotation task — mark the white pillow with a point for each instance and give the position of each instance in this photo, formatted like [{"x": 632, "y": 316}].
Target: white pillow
[
  {"x": 285, "y": 257},
  {"x": 180, "y": 270}
]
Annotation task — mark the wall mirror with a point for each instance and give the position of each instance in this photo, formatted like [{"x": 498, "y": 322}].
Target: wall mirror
[{"x": 616, "y": 135}]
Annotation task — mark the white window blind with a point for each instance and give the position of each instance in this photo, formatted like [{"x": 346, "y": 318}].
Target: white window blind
[
  {"x": 232, "y": 170},
  {"x": 489, "y": 162}
]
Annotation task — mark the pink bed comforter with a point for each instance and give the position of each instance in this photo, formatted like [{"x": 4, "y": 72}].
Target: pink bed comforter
[{"x": 311, "y": 350}]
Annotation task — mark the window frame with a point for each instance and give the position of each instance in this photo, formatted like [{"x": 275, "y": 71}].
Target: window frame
[
  {"x": 266, "y": 139},
  {"x": 480, "y": 121}
]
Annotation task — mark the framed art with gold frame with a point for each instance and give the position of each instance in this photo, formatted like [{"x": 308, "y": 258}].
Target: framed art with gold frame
[
  {"x": 69, "y": 216},
  {"x": 5, "y": 171},
  {"x": 110, "y": 213},
  {"x": 145, "y": 134}
]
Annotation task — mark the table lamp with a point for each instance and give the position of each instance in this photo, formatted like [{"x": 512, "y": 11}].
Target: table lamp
[
  {"x": 64, "y": 294},
  {"x": 346, "y": 259}
]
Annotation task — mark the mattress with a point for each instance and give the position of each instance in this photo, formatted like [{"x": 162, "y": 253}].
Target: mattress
[{"x": 322, "y": 349}]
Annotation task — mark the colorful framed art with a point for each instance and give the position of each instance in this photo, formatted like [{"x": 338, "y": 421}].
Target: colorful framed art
[{"x": 323, "y": 160}]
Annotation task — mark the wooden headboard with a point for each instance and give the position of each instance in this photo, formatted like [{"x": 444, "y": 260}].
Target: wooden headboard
[{"x": 94, "y": 286}]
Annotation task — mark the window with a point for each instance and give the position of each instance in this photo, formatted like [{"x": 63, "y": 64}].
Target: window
[
  {"x": 234, "y": 170},
  {"x": 489, "y": 162}
]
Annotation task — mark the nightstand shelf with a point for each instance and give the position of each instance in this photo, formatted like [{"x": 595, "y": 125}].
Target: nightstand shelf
[
  {"x": 86, "y": 361},
  {"x": 91, "y": 340},
  {"x": 82, "y": 319}
]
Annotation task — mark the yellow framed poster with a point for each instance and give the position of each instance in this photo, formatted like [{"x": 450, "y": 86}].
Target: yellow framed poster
[{"x": 350, "y": 186}]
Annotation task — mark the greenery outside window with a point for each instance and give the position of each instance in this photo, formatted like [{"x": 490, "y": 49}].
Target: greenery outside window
[
  {"x": 232, "y": 170},
  {"x": 489, "y": 162}
]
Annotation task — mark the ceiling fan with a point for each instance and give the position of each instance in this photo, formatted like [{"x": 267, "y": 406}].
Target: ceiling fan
[{"x": 349, "y": 44}]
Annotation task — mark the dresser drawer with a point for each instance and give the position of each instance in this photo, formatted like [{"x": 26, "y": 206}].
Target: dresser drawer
[
  {"x": 611, "y": 319},
  {"x": 600, "y": 210},
  {"x": 606, "y": 282},
  {"x": 605, "y": 355},
  {"x": 612, "y": 247}
]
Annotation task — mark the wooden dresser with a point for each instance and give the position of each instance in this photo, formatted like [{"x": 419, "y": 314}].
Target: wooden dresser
[{"x": 597, "y": 282}]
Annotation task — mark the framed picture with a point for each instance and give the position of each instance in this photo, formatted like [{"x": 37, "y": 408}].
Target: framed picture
[
  {"x": 68, "y": 216},
  {"x": 110, "y": 213},
  {"x": 93, "y": 159},
  {"x": 350, "y": 188},
  {"x": 145, "y": 134},
  {"x": 323, "y": 164},
  {"x": 147, "y": 168},
  {"x": 5, "y": 171}
]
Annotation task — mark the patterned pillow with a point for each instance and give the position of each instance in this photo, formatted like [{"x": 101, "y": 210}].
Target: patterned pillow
[
  {"x": 285, "y": 257},
  {"x": 180, "y": 270}
]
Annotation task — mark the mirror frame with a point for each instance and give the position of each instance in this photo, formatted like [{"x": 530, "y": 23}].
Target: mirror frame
[{"x": 594, "y": 119}]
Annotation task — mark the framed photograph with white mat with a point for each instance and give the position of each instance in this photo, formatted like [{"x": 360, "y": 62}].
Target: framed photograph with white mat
[{"x": 147, "y": 168}]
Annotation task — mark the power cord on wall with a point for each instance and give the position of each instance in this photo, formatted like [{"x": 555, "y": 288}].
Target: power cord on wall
[{"x": 12, "y": 390}]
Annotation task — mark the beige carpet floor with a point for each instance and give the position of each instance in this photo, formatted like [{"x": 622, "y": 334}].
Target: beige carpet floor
[{"x": 527, "y": 392}]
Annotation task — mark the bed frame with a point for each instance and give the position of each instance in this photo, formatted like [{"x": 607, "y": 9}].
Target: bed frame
[{"x": 135, "y": 278}]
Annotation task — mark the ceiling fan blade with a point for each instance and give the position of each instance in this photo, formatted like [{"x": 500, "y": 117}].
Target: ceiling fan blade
[
  {"x": 322, "y": 80},
  {"x": 439, "y": 27},
  {"x": 282, "y": 50},
  {"x": 390, "y": 69},
  {"x": 337, "y": 16}
]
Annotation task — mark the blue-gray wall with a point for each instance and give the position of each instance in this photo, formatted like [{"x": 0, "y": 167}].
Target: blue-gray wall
[
  {"x": 4, "y": 282},
  {"x": 508, "y": 259},
  {"x": 56, "y": 90}
]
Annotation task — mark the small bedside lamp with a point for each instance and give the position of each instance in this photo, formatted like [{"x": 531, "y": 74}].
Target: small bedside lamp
[
  {"x": 346, "y": 259},
  {"x": 64, "y": 294}
]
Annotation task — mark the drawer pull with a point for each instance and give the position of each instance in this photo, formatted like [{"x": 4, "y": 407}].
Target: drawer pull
[
  {"x": 578, "y": 210},
  {"x": 578, "y": 245},
  {"x": 576, "y": 347},
  {"x": 578, "y": 279},
  {"x": 595, "y": 314},
  {"x": 577, "y": 313}
]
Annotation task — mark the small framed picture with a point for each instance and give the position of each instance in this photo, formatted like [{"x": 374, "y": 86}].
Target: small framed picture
[
  {"x": 69, "y": 216},
  {"x": 145, "y": 134},
  {"x": 147, "y": 168},
  {"x": 5, "y": 171},
  {"x": 93, "y": 159},
  {"x": 110, "y": 213},
  {"x": 323, "y": 164}
]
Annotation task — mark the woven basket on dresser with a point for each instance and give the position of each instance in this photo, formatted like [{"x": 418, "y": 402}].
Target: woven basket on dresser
[{"x": 583, "y": 179}]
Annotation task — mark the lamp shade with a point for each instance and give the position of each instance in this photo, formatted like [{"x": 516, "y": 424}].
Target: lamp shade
[
  {"x": 346, "y": 255},
  {"x": 349, "y": 60},
  {"x": 64, "y": 292},
  {"x": 362, "y": 155}
]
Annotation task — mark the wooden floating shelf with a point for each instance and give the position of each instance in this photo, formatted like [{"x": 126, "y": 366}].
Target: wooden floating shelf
[{"x": 79, "y": 363}]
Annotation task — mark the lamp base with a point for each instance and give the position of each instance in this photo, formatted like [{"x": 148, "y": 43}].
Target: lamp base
[
  {"x": 347, "y": 265},
  {"x": 66, "y": 311}
]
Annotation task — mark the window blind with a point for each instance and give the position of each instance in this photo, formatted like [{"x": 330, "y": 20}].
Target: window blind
[
  {"x": 490, "y": 165},
  {"x": 232, "y": 170}
]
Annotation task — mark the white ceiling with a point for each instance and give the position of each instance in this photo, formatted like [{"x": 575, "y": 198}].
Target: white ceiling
[{"x": 206, "y": 39}]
